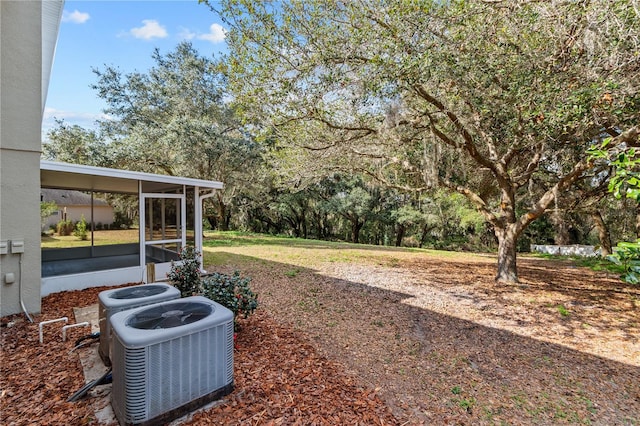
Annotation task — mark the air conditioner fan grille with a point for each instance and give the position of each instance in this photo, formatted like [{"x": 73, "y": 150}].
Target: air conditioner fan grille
[
  {"x": 169, "y": 315},
  {"x": 137, "y": 292}
]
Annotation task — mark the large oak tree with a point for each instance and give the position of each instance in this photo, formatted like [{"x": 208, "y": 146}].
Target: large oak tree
[
  {"x": 175, "y": 120},
  {"x": 497, "y": 100}
]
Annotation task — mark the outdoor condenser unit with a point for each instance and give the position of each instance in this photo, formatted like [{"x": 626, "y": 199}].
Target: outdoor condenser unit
[
  {"x": 117, "y": 300},
  {"x": 169, "y": 359}
]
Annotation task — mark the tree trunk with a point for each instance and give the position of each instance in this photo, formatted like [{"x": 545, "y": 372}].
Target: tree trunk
[
  {"x": 222, "y": 215},
  {"x": 356, "y": 226},
  {"x": 227, "y": 220},
  {"x": 603, "y": 233},
  {"x": 507, "y": 268},
  {"x": 305, "y": 231},
  {"x": 423, "y": 237},
  {"x": 213, "y": 222},
  {"x": 561, "y": 235},
  {"x": 400, "y": 235}
]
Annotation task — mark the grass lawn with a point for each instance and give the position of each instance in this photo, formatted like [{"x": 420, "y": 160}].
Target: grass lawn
[
  {"x": 100, "y": 238},
  {"x": 344, "y": 332},
  {"x": 441, "y": 341}
]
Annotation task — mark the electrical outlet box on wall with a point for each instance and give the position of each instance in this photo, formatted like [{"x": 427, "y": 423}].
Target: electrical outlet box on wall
[{"x": 17, "y": 246}]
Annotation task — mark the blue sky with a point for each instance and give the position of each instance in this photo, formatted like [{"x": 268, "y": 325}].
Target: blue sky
[{"x": 123, "y": 34}]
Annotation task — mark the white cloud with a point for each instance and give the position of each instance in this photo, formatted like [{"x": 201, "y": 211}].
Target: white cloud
[
  {"x": 216, "y": 34},
  {"x": 150, "y": 29},
  {"x": 186, "y": 34},
  {"x": 75, "y": 17}
]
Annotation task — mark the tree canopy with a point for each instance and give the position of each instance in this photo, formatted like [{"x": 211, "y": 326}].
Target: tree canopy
[
  {"x": 175, "y": 119},
  {"x": 496, "y": 100}
]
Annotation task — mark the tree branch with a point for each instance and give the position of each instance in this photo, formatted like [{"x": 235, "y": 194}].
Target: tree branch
[
  {"x": 469, "y": 144},
  {"x": 532, "y": 166},
  {"x": 550, "y": 195},
  {"x": 474, "y": 198}
]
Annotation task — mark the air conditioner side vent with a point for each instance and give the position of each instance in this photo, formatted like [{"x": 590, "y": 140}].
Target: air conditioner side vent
[
  {"x": 136, "y": 384},
  {"x": 131, "y": 383},
  {"x": 229, "y": 353}
]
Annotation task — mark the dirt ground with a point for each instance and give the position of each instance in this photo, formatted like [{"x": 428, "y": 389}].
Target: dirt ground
[{"x": 383, "y": 336}]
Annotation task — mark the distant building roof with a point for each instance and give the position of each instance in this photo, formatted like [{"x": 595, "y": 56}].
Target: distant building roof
[{"x": 66, "y": 197}]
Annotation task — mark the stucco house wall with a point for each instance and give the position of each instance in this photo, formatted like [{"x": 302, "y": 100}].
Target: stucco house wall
[{"x": 23, "y": 81}]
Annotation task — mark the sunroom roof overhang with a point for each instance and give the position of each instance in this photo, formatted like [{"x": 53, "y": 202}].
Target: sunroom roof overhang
[{"x": 101, "y": 179}]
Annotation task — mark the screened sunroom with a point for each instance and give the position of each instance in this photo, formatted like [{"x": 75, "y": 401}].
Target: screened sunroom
[{"x": 165, "y": 205}]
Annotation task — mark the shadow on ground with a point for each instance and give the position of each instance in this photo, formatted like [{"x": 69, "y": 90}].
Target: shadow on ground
[{"x": 434, "y": 367}]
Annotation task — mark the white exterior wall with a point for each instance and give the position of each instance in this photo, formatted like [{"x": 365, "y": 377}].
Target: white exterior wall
[
  {"x": 101, "y": 214},
  {"x": 20, "y": 145}
]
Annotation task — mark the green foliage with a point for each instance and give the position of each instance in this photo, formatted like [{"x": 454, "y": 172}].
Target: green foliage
[
  {"x": 627, "y": 179},
  {"x": 292, "y": 273},
  {"x": 452, "y": 222},
  {"x": 563, "y": 311},
  {"x": 185, "y": 274},
  {"x": 467, "y": 403},
  {"x": 80, "y": 230},
  {"x": 627, "y": 256},
  {"x": 231, "y": 291},
  {"x": 73, "y": 144},
  {"x": 175, "y": 119},
  {"x": 64, "y": 227},
  {"x": 121, "y": 220},
  {"x": 539, "y": 232},
  {"x": 47, "y": 208},
  {"x": 626, "y": 164},
  {"x": 625, "y": 161},
  {"x": 496, "y": 103}
]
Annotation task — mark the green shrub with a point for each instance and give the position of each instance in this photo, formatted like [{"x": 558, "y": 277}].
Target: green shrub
[
  {"x": 185, "y": 274},
  {"x": 47, "y": 208},
  {"x": 80, "y": 230},
  {"x": 121, "y": 221},
  {"x": 627, "y": 256},
  {"x": 64, "y": 227},
  {"x": 232, "y": 292}
]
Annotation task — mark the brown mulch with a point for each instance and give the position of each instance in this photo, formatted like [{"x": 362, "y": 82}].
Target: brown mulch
[
  {"x": 394, "y": 338},
  {"x": 279, "y": 377},
  {"x": 36, "y": 379}
]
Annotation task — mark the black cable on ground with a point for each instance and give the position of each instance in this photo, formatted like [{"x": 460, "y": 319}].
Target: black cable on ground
[
  {"x": 103, "y": 380},
  {"x": 86, "y": 340}
]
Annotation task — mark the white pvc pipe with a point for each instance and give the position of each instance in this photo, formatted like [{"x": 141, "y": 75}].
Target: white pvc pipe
[
  {"x": 66, "y": 327},
  {"x": 24, "y": 308},
  {"x": 65, "y": 319}
]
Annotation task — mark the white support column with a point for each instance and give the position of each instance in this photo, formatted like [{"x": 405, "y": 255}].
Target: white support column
[
  {"x": 183, "y": 215},
  {"x": 199, "y": 217},
  {"x": 141, "y": 227},
  {"x": 163, "y": 219},
  {"x": 197, "y": 220}
]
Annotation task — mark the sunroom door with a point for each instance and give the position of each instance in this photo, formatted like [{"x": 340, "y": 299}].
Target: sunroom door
[{"x": 163, "y": 225}]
